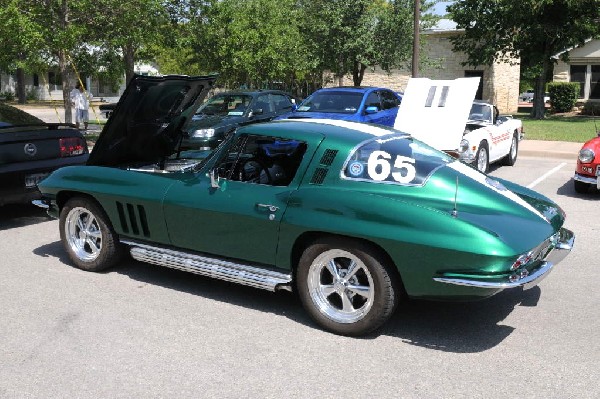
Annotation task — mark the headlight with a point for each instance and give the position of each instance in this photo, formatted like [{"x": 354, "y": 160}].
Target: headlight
[
  {"x": 205, "y": 133},
  {"x": 463, "y": 146},
  {"x": 586, "y": 155}
]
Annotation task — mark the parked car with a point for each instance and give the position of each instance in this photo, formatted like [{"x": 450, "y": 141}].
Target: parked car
[
  {"x": 360, "y": 104},
  {"x": 527, "y": 97},
  {"x": 444, "y": 115},
  {"x": 490, "y": 137},
  {"x": 588, "y": 166},
  {"x": 107, "y": 109},
  {"x": 28, "y": 153},
  {"x": 350, "y": 216},
  {"x": 224, "y": 112}
]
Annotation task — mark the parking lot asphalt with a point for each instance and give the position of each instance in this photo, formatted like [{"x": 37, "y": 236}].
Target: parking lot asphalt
[{"x": 529, "y": 148}]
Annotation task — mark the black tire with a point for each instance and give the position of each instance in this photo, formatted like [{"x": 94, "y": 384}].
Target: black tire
[
  {"x": 511, "y": 158},
  {"x": 88, "y": 236},
  {"x": 350, "y": 307},
  {"x": 482, "y": 158},
  {"x": 581, "y": 187}
]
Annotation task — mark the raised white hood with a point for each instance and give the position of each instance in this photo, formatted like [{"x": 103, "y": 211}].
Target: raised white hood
[{"x": 436, "y": 111}]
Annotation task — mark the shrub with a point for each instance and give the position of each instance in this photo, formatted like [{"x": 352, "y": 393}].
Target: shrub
[
  {"x": 591, "y": 108},
  {"x": 7, "y": 95},
  {"x": 563, "y": 95},
  {"x": 32, "y": 94}
]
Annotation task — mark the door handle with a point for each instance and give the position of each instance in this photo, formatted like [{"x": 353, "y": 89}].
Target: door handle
[{"x": 271, "y": 208}]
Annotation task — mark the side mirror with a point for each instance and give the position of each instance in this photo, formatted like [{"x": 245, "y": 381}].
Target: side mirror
[
  {"x": 371, "y": 109},
  {"x": 214, "y": 178}
]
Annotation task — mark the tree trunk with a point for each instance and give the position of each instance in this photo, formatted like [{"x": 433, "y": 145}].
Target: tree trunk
[
  {"x": 21, "y": 96},
  {"x": 129, "y": 61},
  {"x": 358, "y": 73},
  {"x": 67, "y": 84},
  {"x": 538, "y": 110},
  {"x": 63, "y": 63}
]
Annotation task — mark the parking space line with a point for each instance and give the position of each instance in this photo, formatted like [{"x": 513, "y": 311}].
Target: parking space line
[{"x": 545, "y": 175}]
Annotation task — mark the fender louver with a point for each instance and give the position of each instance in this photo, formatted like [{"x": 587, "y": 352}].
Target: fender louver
[{"x": 132, "y": 221}]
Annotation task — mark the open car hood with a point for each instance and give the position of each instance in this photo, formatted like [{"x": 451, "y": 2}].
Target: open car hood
[
  {"x": 436, "y": 111},
  {"x": 150, "y": 119}
]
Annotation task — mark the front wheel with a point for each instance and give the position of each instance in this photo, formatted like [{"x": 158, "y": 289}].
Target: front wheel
[
  {"x": 88, "y": 236},
  {"x": 345, "y": 287},
  {"x": 581, "y": 187},
  {"x": 511, "y": 157},
  {"x": 482, "y": 158}
]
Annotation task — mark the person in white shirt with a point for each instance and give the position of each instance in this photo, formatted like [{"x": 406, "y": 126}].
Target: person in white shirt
[{"x": 80, "y": 99}]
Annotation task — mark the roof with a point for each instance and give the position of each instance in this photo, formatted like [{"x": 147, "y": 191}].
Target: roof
[
  {"x": 444, "y": 25},
  {"x": 349, "y": 133},
  {"x": 250, "y": 92}
]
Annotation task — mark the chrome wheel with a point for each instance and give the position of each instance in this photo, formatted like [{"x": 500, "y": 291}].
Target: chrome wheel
[
  {"x": 83, "y": 234},
  {"x": 482, "y": 162},
  {"x": 513, "y": 149},
  {"x": 341, "y": 286}
]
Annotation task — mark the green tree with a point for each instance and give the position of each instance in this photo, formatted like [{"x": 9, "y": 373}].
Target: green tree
[
  {"x": 252, "y": 42},
  {"x": 538, "y": 29},
  {"x": 133, "y": 28},
  {"x": 350, "y": 36},
  {"x": 21, "y": 39}
]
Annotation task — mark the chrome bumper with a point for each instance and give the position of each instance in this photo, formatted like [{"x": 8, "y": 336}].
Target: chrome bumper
[
  {"x": 585, "y": 179},
  {"x": 563, "y": 246},
  {"x": 41, "y": 203}
]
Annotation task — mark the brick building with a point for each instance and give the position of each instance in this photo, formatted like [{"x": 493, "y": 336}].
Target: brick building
[{"x": 499, "y": 83}]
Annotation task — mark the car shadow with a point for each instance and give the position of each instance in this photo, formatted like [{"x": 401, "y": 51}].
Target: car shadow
[
  {"x": 12, "y": 216},
  {"x": 568, "y": 190},
  {"x": 460, "y": 327}
]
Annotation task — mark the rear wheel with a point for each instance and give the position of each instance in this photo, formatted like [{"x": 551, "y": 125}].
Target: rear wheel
[
  {"x": 482, "y": 158},
  {"x": 511, "y": 157},
  {"x": 88, "y": 236},
  {"x": 345, "y": 287}
]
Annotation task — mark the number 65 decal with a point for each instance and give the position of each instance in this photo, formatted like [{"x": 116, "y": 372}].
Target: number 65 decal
[{"x": 383, "y": 160}]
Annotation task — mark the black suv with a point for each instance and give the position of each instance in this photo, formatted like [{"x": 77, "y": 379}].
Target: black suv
[{"x": 224, "y": 112}]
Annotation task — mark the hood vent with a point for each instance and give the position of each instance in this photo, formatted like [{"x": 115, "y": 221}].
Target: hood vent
[
  {"x": 133, "y": 222},
  {"x": 328, "y": 157}
]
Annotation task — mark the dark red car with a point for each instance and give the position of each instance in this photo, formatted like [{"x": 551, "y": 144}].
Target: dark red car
[{"x": 587, "y": 174}]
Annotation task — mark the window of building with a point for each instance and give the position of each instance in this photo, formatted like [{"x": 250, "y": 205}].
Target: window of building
[
  {"x": 595, "y": 82},
  {"x": 578, "y": 73}
]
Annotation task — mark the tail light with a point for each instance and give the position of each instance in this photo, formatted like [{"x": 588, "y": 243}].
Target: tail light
[{"x": 72, "y": 146}]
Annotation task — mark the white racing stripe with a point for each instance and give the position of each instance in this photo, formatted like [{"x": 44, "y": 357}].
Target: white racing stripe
[
  {"x": 545, "y": 175},
  {"x": 361, "y": 127},
  {"x": 481, "y": 178}
]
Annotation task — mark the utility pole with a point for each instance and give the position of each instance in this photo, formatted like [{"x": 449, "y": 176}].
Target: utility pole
[{"x": 415, "y": 56}]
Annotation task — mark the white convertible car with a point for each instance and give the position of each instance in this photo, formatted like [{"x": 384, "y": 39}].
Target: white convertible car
[
  {"x": 490, "y": 137},
  {"x": 443, "y": 114}
]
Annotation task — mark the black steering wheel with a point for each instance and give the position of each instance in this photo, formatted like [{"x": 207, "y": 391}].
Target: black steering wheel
[{"x": 251, "y": 170}]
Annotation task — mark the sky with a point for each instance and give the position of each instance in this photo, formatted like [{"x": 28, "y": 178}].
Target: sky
[{"x": 440, "y": 8}]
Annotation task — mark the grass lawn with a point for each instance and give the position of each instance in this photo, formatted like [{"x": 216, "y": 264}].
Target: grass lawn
[{"x": 574, "y": 128}]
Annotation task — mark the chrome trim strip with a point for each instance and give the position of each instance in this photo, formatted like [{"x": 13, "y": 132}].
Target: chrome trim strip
[
  {"x": 40, "y": 203},
  {"x": 211, "y": 267},
  {"x": 563, "y": 246},
  {"x": 585, "y": 179},
  {"x": 539, "y": 274}
]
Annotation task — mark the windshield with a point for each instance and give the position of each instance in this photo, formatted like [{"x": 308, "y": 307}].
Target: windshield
[
  {"x": 480, "y": 112},
  {"x": 342, "y": 102},
  {"x": 223, "y": 105},
  {"x": 398, "y": 160}
]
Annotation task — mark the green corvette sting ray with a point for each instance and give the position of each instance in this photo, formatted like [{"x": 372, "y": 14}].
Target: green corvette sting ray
[{"x": 352, "y": 217}]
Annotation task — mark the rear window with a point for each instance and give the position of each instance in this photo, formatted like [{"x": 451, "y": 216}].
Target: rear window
[
  {"x": 341, "y": 102},
  {"x": 397, "y": 160}
]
